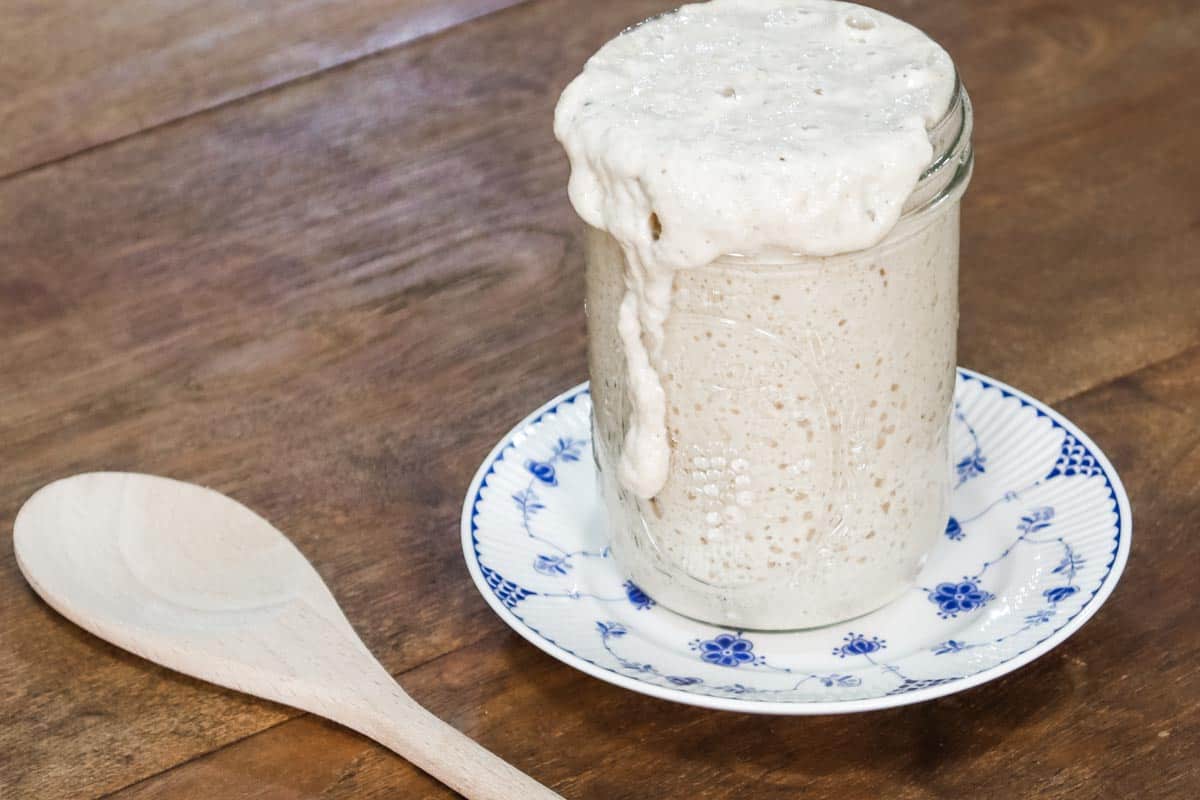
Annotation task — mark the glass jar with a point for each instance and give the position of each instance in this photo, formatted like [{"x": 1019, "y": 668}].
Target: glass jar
[{"x": 808, "y": 410}]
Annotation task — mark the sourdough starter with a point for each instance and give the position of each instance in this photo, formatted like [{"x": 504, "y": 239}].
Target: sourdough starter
[{"x": 771, "y": 316}]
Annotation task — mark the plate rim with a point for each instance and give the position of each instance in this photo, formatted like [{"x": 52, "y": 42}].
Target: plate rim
[{"x": 805, "y": 708}]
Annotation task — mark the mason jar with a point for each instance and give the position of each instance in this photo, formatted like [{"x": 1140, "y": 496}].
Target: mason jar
[{"x": 808, "y": 409}]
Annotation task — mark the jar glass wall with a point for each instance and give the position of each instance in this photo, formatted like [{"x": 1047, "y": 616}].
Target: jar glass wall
[{"x": 808, "y": 408}]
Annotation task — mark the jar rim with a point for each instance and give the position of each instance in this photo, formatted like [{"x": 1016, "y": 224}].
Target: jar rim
[
  {"x": 952, "y": 120},
  {"x": 952, "y": 156}
]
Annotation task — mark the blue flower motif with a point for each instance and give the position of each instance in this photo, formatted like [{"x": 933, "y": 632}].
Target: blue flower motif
[
  {"x": 736, "y": 688},
  {"x": 527, "y": 502},
  {"x": 953, "y": 598},
  {"x": 608, "y": 629},
  {"x": 971, "y": 466},
  {"x": 1070, "y": 564},
  {"x": 726, "y": 650},
  {"x": 950, "y": 646},
  {"x": 1059, "y": 593},
  {"x": 641, "y": 601},
  {"x": 678, "y": 681},
  {"x": 839, "y": 680},
  {"x": 552, "y": 565},
  {"x": 568, "y": 449},
  {"x": 1036, "y": 520},
  {"x": 954, "y": 531},
  {"x": 543, "y": 471},
  {"x": 855, "y": 644},
  {"x": 1039, "y": 617}
]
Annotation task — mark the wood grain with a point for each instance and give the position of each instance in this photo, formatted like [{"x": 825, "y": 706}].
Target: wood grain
[
  {"x": 75, "y": 75},
  {"x": 330, "y": 300}
]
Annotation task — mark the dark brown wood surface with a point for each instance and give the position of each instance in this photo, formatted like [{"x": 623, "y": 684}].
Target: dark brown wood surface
[{"x": 291, "y": 251}]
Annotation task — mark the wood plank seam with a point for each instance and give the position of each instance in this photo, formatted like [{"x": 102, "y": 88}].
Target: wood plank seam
[
  {"x": 199, "y": 756},
  {"x": 295, "y": 714},
  {"x": 1106, "y": 382},
  {"x": 254, "y": 94}
]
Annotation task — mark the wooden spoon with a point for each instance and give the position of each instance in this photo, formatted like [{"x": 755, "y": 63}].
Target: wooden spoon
[{"x": 193, "y": 580}]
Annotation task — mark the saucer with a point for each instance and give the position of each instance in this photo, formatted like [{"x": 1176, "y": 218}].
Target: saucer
[{"x": 1038, "y": 536}]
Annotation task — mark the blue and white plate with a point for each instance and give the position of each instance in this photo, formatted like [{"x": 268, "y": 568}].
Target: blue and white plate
[{"x": 1038, "y": 538}]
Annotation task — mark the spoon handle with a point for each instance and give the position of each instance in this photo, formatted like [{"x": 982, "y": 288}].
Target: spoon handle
[{"x": 403, "y": 726}]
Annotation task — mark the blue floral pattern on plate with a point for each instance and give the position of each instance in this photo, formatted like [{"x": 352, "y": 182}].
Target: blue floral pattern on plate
[
  {"x": 1030, "y": 551},
  {"x": 727, "y": 650},
  {"x": 639, "y": 599},
  {"x": 855, "y": 644},
  {"x": 961, "y": 596}
]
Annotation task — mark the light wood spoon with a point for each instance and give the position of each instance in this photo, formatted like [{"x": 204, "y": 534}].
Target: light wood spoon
[{"x": 193, "y": 580}]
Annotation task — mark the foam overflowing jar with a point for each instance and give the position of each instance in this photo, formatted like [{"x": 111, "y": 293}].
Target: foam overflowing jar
[{"x": 772, "y": 195}]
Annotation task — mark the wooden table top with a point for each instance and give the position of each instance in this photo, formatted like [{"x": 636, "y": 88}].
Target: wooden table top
[{"x": 320, "y": 256}]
